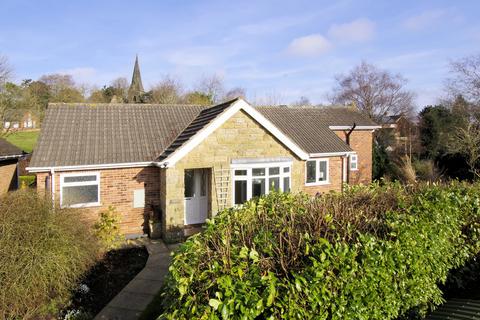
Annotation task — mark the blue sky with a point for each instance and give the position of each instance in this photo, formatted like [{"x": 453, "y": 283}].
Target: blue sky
[{"x": 286, "y": 49}]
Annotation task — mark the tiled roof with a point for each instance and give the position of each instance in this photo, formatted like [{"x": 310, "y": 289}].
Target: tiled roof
[
  {"x": 80, "y": 134},
  {"x": 89, "y": 134},
  {"x": 309, "y": 127},
  {"x": 203, "y": 118},
  {"x": 457, "y": 309},
  {"x": 8, "y": 150}
]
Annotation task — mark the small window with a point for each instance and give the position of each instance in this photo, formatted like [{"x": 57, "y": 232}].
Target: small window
[
  {"x": 258, "y": 172},
  {"x": 311, "y": 171},
  {"x": 189, "y": 186},
  {"x": 79, "y": 190},
  {"x": 273, "y": 171},
  {"x": 240, "y": 172},
  {"x": 354, "y": 162},
  {"x": 286, "y": 169},
  {"x": 317, "y": 172},
  {"x": 322, "y": 170}
]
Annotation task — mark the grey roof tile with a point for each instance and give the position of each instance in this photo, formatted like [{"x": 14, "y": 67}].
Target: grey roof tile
[
  {"x": 8, "y": 150},
  {"x": 79, "y": 134},
  {"x": 309, "y": 127},
  {"x": 87, "y": 134}
]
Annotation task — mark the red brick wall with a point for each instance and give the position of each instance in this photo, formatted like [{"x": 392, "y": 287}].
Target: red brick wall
[
  {"x": 116, "y": 189},
  {"x": 362, "y": 142}
]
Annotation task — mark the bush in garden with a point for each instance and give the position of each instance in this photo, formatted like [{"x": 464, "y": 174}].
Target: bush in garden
[
  {"x": 370, "y": 253},
  {"x": 107, "y": 228},
  {"x": 43, "y": 252}
]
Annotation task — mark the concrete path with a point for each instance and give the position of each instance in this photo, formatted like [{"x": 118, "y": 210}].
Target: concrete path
[{"x": 129, "y": 303}]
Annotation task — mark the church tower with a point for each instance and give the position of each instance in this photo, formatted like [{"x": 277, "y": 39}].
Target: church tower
[{"x": 136, "y": 92}]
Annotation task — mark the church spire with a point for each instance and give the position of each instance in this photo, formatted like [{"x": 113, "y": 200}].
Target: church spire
[{"x": 135, "y": 92}]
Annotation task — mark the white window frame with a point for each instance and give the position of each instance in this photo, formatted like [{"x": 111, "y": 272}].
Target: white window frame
[
  {"x": 83, "y": 183},
  {"x": 249, "y": 177},
  {"x": 353, "y": 160},
  {"x": 317, "y": 172}
]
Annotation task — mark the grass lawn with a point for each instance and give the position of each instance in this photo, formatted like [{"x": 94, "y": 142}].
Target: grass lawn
[{"x": 25, "y": 140}]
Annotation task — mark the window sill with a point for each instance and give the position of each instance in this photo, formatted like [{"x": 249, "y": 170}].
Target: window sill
[
  {"x": 313, "y": 184},
  {"x": 353, "y": 169},
  {"x": 82, "y": 205}
]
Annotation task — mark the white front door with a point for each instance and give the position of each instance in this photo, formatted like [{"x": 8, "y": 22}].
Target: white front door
[{"x": 196, "y": 196}]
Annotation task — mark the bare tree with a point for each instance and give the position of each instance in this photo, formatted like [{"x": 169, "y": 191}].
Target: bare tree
[
  {"x": 302, "y": 102},
  {"x": 465, "y": 78},
  {"x": 212, "y": 86},
  {"x": 270, "y": 98},
  {"x": 466, "y": 141},
  {"x": 375, "y": 92},
  {"x": 235, "y": 93},
  {"x": 5, "y": 71},
  {"x": 167, "y": 91},
  {"x": 62, "y": 88}
]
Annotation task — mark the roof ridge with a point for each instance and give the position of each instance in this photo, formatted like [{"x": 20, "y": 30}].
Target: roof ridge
[{"x": 93, "y": 104}]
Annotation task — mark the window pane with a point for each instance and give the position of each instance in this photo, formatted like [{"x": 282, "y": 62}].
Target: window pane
[
  {"x": 274, "y": 183},
  {"x": 311, "y": 171},
  {"x": 240, "y": 191},
  {"x": 322, "y": 166},
  {"x": 286, "y": 184},
  {"x": 286, "y": 169},
  {"x": 79, "y": 194},
  {"x": 274, "y": 170},
  {"x": 189, "y": 183},
  {"x": 203, "y": 187},
  {"x": 258, "y": 171},
  {"x": 240, "y": 172},
  {"x": 258, "y": 187},
  {"x": 79, "y": 178}
]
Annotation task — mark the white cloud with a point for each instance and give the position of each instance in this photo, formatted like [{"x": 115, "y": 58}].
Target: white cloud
[
  {"x": 311, "y": 45},
  {"x": 359, "y": 30},
  {"x": 423, "y": 20}
]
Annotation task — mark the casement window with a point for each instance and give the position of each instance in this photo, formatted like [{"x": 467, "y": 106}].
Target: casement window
[
  {"x": 256, "y": 180},
  {"x": 317, "y": 172},
  {"x": 353, "y": 162},
  {"x": 80, "y": 190}
]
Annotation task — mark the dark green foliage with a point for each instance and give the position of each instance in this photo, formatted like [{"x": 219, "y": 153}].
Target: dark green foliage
[
  {"x": 369, "y": 253},
  {"x": 43, "y": 252},
  {"x": 382, "y": 165}
]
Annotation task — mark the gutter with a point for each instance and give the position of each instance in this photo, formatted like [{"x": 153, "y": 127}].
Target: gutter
[
  {"x": 330, "y": 154},
  {"x": 92, "y": 166},
  {"x": 15, "y": 156}
]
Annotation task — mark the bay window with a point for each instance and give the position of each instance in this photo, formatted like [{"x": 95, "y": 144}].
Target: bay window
[
  {"x": 255, "y": 180},
  {"x": 80, "y": 190},
  {"x": 317, "y": 172}
]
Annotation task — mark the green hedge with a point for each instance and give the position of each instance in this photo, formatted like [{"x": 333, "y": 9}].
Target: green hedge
[
  {"x": 369, "y": 253},
  {"x": 43, "y": 253}
]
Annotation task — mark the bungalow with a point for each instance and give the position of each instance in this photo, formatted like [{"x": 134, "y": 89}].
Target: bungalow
[{"x": 189, "y": 162}]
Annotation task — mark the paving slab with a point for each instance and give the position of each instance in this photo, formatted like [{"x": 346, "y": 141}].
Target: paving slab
[
  {"x": 144, "y": 286},
  {"x": 109, "y": 313},
  {"x": 129, "y": 303}
]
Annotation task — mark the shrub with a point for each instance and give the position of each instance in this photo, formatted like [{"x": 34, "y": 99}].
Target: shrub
[
  {"x": 369, "y": 253},
  {"x": 107, "y": 228},
  {"x": 43, "y": 252}
]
